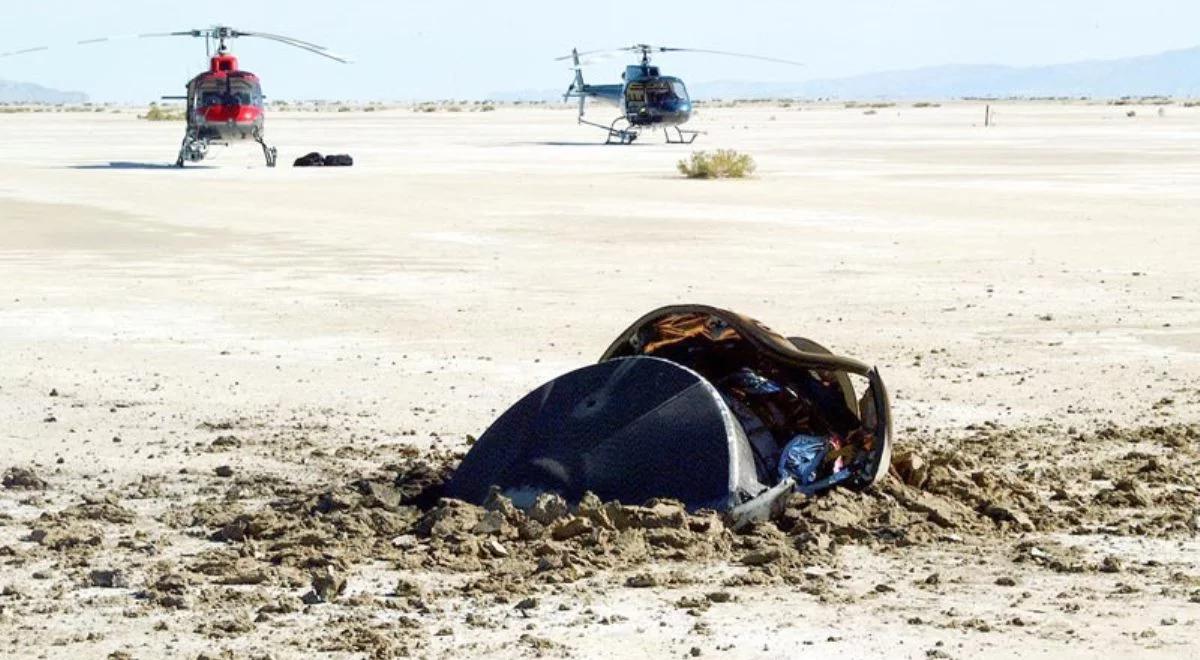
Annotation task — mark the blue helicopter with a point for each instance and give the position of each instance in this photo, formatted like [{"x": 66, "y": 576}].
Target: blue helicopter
[{"x": 647, "y": 99}]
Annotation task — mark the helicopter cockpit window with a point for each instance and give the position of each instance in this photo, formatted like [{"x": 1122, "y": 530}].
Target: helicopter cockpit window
[
  {"x": 659, "y": 92},
  {"x": 679, "y": 90},
  {"x": 242, "y": 92},
  {"x": 233, "y": 92}
]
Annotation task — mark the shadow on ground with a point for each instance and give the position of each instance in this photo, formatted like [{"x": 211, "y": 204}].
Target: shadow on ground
[
  {"x": 123, "y": 165},
  {"x": 573, "y": 144}
]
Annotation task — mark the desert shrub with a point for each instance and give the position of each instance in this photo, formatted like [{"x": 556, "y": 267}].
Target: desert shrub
[
  {"x": 159, "y": 113},
  {"x": 926, "y": 104},
  {"x": 487, "y": 107},
  {"x": 720, "y": 164}
]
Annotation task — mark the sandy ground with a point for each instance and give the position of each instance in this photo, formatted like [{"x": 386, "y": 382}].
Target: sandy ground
[{"x": 1035, "y": 279}]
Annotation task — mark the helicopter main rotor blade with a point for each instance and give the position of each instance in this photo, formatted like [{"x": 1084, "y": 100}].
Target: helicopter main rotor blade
[
  {"x": 98, "y": 40},
  {"x": 215, "y": 32},
  {"x": 585, "y": 53},
  {"x": 312, "y": 48},
  {"x": 646, "y": 49},
  {"x": 24, "y": 50},
  {"x": 727, "y": 54},
  {"x": 279, "y": 37}
]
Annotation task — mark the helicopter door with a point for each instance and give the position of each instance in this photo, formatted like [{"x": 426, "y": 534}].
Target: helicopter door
[{"x": 635, "y": 97}]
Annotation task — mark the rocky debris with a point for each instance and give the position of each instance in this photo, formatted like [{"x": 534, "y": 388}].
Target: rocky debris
[
  {"x": 223, "y": 471},
  {"x": 326, "y": 586},
  {"x": 931, "y": 495},
  {"x": 407, "y": 589},
  {"x": 20, "y": 478},
  {"x": 380, "y": 494},
  {"x": 526, "y": 604},
  {"x": 548, "y": 508},
  {"x": 393, "y": 639},
  {"x": 1051, "y": 555},
  {"x": 104, "y": 507},
  {"x": 168, "y": 590},
  {"x": 224, "y": 443},
  {"x": 910, "y": 469},
  {"x": 647, "y": 580},
  {"x": 972, "y": 493},
  {"x": 109, "y": 579},
  {"x": 80, "y": 527},
  {"x": 542, "y": 647},
  {"x": 67, "y": 537},
  {"x": 147, "y": 486},
  {"x": 225, "y": 627}
]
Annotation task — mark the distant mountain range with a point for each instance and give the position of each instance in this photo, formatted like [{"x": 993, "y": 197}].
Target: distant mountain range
[
  {"x": 20, "y": 92},
  {"x": 1173, "y": 73}
]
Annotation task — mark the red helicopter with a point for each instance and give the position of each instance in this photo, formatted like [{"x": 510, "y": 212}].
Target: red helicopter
[{"x": 225, "y": 103}]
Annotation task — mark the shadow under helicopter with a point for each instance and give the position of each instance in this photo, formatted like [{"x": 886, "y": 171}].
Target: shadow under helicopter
[
  {"x": 126, "y": 165},
  {"x": 576, "y": 144}
]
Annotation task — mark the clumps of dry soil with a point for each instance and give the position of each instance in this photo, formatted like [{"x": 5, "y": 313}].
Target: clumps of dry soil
[
  {"x": 994, "y": 483},
  {"x": 22, "y": 478},
  {"x": 266, "y": 548}
]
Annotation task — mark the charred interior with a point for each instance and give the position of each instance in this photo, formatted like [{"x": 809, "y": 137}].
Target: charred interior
[{"x": 800, "y": 421}]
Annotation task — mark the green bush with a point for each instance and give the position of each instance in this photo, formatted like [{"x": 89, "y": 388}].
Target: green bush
[
  {"x": 158, "y": 113},
  {"x": 720, "y": 164}
]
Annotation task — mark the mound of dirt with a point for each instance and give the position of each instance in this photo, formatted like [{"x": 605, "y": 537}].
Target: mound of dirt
[
  {"x": 19, "y": 478},
  {"x": 973, "y": 493}
]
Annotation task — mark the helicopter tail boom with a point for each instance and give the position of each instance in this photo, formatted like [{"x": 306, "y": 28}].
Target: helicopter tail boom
[{"x": 583, "y": 91}]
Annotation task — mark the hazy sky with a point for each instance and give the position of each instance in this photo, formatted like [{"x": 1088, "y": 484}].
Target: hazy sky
[{"x": 459, "y": 49}]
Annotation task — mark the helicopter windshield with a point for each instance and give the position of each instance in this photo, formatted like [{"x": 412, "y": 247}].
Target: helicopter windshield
[
  {"x": 665, "y": 90},
  {"x": 230, "y": 91},
  {"x": 679, "y": 90}
]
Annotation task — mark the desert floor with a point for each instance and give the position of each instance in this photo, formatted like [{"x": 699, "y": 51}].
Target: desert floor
[{"x": 1028, "y": 291}]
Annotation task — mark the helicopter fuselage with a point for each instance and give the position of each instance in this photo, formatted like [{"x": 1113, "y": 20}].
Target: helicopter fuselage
[
  {"x": 646, "y": 98},
  {"x": 225, "y": 103}
]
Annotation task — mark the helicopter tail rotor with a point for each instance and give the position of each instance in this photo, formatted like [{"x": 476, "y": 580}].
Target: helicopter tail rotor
[{"x": 577, "y": 85}]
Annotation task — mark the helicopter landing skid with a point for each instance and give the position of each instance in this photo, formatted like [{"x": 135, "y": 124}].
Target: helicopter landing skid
[
  {"x": 615, "y": 135},
  {"x": 681, "y": 136},
  {"x": 193, "y": 149},
  {"x": 270, "y": 153}
]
